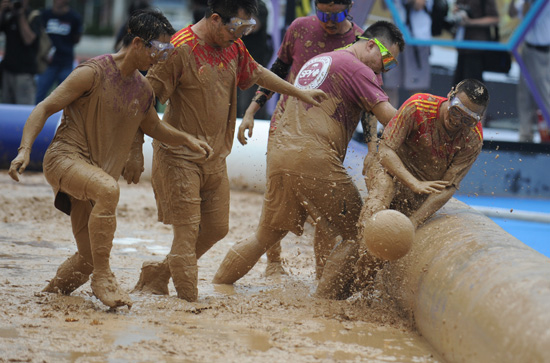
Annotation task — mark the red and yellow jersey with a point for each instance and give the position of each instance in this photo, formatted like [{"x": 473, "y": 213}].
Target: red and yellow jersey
[
  {"x": 220, "y": 58},
  {"x": 201, "y": 81},
  {"x": 424, "y": 145}
]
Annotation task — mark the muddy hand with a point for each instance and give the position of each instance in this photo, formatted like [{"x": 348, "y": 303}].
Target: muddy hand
[
  {"x": 19, "y": 164},
  {"x": 133, "y": 168},
  {"x": 203, "y": 148},
  {"x": 246, "y": 124},
  {"x": 430, "y": 187},
  {"x": 313, "y": 96}
]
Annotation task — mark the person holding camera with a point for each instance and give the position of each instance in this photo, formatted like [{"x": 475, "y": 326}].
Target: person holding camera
[
  {"x": 64, "y": 27},
  {"x": 474, "y": 19},
  {"x": 19, "y": 62}
]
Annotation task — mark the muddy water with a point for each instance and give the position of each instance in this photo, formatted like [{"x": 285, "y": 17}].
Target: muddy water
[{"x": 257, "y": 319}]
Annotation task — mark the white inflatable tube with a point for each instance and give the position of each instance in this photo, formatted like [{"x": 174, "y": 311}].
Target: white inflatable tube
[
  {"x": 477, "y": 293},
  {"x": 520, "y": 215}
]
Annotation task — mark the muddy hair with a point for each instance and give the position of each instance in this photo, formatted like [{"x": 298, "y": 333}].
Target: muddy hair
[
  {"x": 475, "y": 90},
  {"x": 227, "y": 9},
  {"x": 147, "y": 24},
  {"x": 386, "y": 32}
]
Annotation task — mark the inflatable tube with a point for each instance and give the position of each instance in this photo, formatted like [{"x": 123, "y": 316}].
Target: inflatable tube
[
  {"x": 477, "y": 293},
  {"x": 12, "y": 121}
]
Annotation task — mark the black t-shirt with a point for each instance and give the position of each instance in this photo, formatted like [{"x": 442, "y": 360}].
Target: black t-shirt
[
  {"x": 18, "y": 57},
  {"x": 64, "y": 31},
  {"x": 257, "y": 43}
]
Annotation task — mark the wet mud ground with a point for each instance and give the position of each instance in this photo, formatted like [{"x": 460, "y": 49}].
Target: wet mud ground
[{"x": 259, "y": 318}]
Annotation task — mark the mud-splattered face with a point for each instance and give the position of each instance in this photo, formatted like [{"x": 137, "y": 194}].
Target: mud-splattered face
[
  {"x": 227, "y": 31},
  {"x": 155, "y": 51},
  {"x": 333, "y": 17},
  {"x": 462, "y": 112}
]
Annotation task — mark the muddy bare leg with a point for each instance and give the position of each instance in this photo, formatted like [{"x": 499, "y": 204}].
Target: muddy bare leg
[
  {"x": 104, "y": 284},
  {"x": 182, "y": 261},
  {"x": 75, "y": 271},
  {"x": 155, "y": 276},
  {"x": 339, "y": 271},
  {"x": 274, "y": 262},
  {"x": 244, "y": 254},
  {"x": 323, "y": 242},
  {"x": 104, "y": 191}
]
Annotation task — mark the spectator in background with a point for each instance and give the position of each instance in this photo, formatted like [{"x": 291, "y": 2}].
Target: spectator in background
[
  {"x": 19, "y": 62},
  {"x": 260, "y": 48},
  {"x": 475, "y": 18},
  {"x": 413, "y": 73},
  {"x": 536, "y": 55},
  {"x": 64, "y": 26},
  {"x": 135, "y": 5}
]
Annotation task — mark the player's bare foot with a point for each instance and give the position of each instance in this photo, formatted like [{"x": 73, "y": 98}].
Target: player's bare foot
[
  {"x": 274, "y": 269},
  {"x": 59, "y": 285},
  {"x": 154, "y": 278},
  {"x": 71, "y": 274},
  {"x": 106, "y": 289}
]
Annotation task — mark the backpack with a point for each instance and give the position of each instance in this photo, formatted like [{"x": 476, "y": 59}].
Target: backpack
[
  {"x": 439, "y": 13},
  {"x": 44, "y": 45}
]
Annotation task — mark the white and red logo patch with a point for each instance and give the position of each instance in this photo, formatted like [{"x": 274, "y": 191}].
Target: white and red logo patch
[{"x": 313, "y": 73}]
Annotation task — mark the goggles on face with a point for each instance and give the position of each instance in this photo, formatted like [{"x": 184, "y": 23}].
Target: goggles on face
[
  {"x": 457, "y": 110},
  {"x": 334, "y": 17},
  {"x": 239, "y": 27},
  {"x": 388, "y": 60},
  {"x": 161, "y": 50}
]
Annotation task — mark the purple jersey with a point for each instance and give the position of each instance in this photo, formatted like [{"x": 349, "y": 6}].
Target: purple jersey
[
  {"x": 323, "y": 132},
  {"x": 304, "y": 39}
]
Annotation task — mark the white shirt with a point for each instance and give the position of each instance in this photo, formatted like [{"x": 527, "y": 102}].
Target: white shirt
[
  {"x": 421, "y": 21},
  {"x": 539, "y": 34}
]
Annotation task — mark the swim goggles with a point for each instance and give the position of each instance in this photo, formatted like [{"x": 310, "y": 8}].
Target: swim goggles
[
  {"x": 334, "y": 17},
  {"x": 388, "y": 60},
  {"x": 161, "y": 50},
  {"x": 457, "y": 110},
  {"x": 237, "y": 26}
]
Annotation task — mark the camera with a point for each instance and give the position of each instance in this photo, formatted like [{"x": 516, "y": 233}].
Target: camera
[
  {"x": 456, "y": 18},
  {"x": 16, "y": 4}
]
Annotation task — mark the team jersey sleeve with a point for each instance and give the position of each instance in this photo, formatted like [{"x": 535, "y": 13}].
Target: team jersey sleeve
[
  {"x": 400, "y": 126},
  {"x": 365, "y": 89},
  {"x": 164, "y": 76},
  {"x": 248, "y": 69}
]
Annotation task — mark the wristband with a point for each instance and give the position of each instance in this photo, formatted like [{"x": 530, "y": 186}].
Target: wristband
[{"x": 260, "y": 98}]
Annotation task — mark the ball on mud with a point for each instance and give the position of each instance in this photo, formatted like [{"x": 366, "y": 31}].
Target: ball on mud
[{"x": 388, "y": 234}]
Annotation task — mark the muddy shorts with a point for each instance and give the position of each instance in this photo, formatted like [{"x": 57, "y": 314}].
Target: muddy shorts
[
  {"x": 185, "y": 195},
  {"x": 70, "y": 175},
  {"x": 289, "y": 199}
]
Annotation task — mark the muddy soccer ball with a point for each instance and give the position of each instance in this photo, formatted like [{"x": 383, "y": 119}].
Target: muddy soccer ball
[{"x": 388, "y": 234}]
